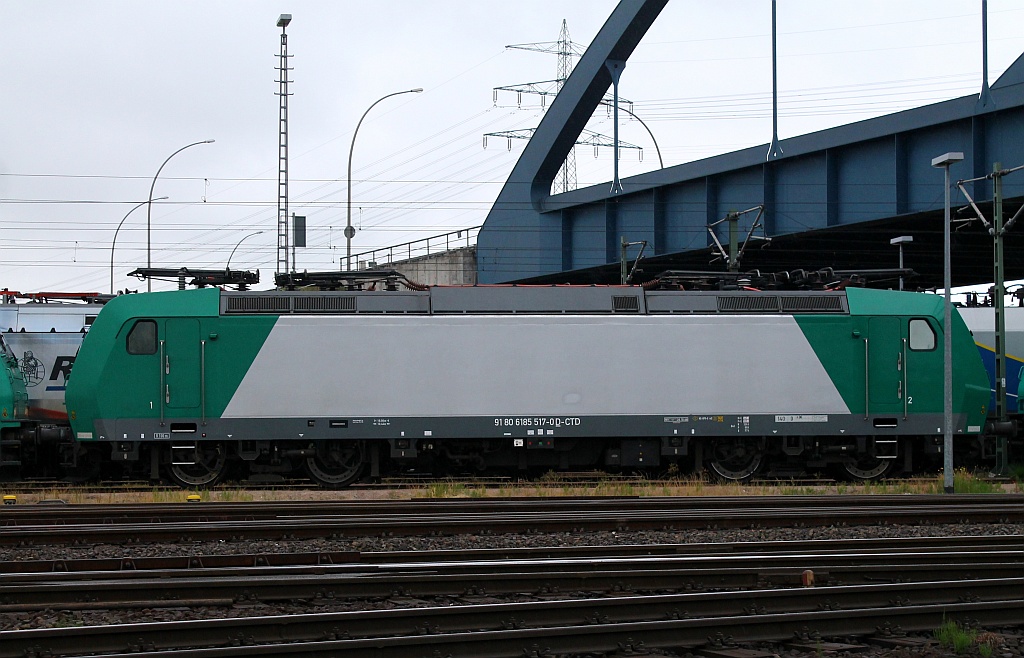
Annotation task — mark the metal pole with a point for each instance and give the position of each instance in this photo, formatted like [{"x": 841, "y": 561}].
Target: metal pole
[
  {"x": 112, "y": 242},
  {"x": 998, "y": 296},
  {"x": 945, "y": 161},
  {"x": 349, "y": 231},
  {"x": 734, "y": 246},
  {"x": 615, "y": 67},
  {"x": 622, "y": 260},
  {"x": 999, "y": 302},
  {"x": 901, "y": 266},
  {"x": 985, "y": 97},
  {"x": 227, "y": 267},
  {"x": 661, "y": 162},
  {"x": 149, "y": 210},
  {"x": 773, "y": 149},
  {"x": 284, "y": 265},
  {"x": 947, "y": 351}
]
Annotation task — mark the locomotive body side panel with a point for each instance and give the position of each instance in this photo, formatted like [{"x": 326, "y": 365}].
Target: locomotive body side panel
[
  {"x": 895, "y": 340},
  {"x": 190, "y": 368},
  {"x": 483, "y": 365}
]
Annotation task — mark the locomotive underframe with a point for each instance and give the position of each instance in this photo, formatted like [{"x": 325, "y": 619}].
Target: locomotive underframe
[
  {"x": 277, "y": 459},
  {"x": 337, "y": 451},
  {"x": 728, "y": 457}
]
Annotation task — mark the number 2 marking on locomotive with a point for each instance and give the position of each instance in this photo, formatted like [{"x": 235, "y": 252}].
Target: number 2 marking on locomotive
[{"x": 910, "y": 399}]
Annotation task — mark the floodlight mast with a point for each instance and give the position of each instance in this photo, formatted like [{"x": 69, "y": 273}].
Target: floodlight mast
[
  {"x": 899, "y": 242},
  {"x": 945, "y": 161},
  {"x": 283, "y": 264}
]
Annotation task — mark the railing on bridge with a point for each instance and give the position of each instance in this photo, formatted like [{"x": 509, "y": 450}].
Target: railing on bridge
[{"x": 415, "y": 249}]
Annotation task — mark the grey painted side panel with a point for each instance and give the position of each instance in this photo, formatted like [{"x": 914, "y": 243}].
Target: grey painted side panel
[
  {"x": 544, "y": 366},
  {"x": 981, "y": 322}
]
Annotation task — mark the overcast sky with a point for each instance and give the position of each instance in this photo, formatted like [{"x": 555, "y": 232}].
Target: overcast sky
[{"x": 98, "y": 94}]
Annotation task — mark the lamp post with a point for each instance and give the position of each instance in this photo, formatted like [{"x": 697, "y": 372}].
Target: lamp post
[
  {"x": 349, "y": 231},
  {"x": 149, "y": 210},
  {"x": 945, "y": 161},
  {"x": 115, "y": 237},
  {"x": 661, "y": 163},
  {"x": 227, "y": 268},
  {"x": 900, "y": 241}
]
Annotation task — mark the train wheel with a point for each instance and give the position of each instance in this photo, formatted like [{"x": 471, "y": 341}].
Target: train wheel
[
  {"x": 866, "y": 467},
  {"x": 208, "y": 469},
  {"x": 736, "y": 459},
  {"x": 337, "y": 463}
]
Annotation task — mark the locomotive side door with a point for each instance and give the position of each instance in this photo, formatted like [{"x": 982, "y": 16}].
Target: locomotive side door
[
  {"x": 181, "y": 363},
  {"x": 924, "y": 373},
  {"x": 885, "y": 366}
]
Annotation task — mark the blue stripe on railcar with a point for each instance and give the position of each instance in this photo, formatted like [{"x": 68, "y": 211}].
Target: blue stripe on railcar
[{"x": 1014, "y": 370}]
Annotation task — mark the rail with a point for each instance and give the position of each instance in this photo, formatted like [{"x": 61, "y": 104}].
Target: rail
[
  {"x": 619, "y": 595},
  {"x": 202, "y": 522}
]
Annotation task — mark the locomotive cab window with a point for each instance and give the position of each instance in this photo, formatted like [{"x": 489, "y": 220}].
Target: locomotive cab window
[
  {"x": 142, "y": 337},
  {"x": 922, "y": 336}
]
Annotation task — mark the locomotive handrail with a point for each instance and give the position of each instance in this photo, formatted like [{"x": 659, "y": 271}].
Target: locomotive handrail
[
  {"x": 202, "y": 382},
  {"x": 163, "y": 389},
  {"x": 867, "y": 379},
  {"x": 906, "y": 391}
]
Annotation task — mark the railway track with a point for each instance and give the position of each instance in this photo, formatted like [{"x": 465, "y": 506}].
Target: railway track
[
  {"x": 520, "y": 601},
  {"x": 322, "y": 558},
  {"x": 83, "y": 524},
  {"x": 567, "y": 627},
  {"x": 433, "y": 574},
  {"x": 589, "y": 600}
]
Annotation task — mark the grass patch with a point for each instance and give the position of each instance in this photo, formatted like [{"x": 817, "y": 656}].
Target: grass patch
[
  {"x": 952, "y": 636},
  {"x": 960, "y": 639},
  {"x": 67, "y": 620},
  {"x": 966, "y": 482},
  {"x": 446, "y": 489},
  {"x": 550, "y": 485}
]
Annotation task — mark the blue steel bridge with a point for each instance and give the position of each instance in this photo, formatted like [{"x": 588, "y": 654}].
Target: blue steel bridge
[{"x": 833, "y": 198}]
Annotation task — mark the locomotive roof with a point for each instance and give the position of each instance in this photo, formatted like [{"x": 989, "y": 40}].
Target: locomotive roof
[{"x": 610, "y": 300}]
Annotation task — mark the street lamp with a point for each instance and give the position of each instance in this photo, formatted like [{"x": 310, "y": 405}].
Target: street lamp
[
  {"x": 900, "y": 241},
  {"x": 349, "y": 231},
  {"x": 945, "y": 161},
  {"x": 149, "y": 210},
  {"x": 227, "y": 268},
  {"x": 115, "y": 237}
]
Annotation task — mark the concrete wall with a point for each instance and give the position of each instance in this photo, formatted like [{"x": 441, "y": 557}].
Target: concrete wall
[{"x": 448, "y": 268}]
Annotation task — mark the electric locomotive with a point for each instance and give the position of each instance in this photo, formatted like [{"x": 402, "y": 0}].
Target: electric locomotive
[
  {"x": 42, "y": 335},
  {"x": 352, "y": 383}
]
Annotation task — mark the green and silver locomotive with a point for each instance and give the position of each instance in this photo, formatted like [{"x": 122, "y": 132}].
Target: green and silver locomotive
[{"x": 345, "y": 384}]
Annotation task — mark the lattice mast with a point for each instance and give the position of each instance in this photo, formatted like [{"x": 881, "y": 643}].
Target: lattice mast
[
  {"x": 284, "y": 264},
  {"x": 565, "y": 180},
  {"x": 565, "y": 49}
]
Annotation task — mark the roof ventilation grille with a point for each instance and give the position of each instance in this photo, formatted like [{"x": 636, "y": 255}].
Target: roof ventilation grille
[
  {"x": 315, "y": 304},
  {"x": 748, "y": 303},
  {"x": 625, "y": 304}
]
